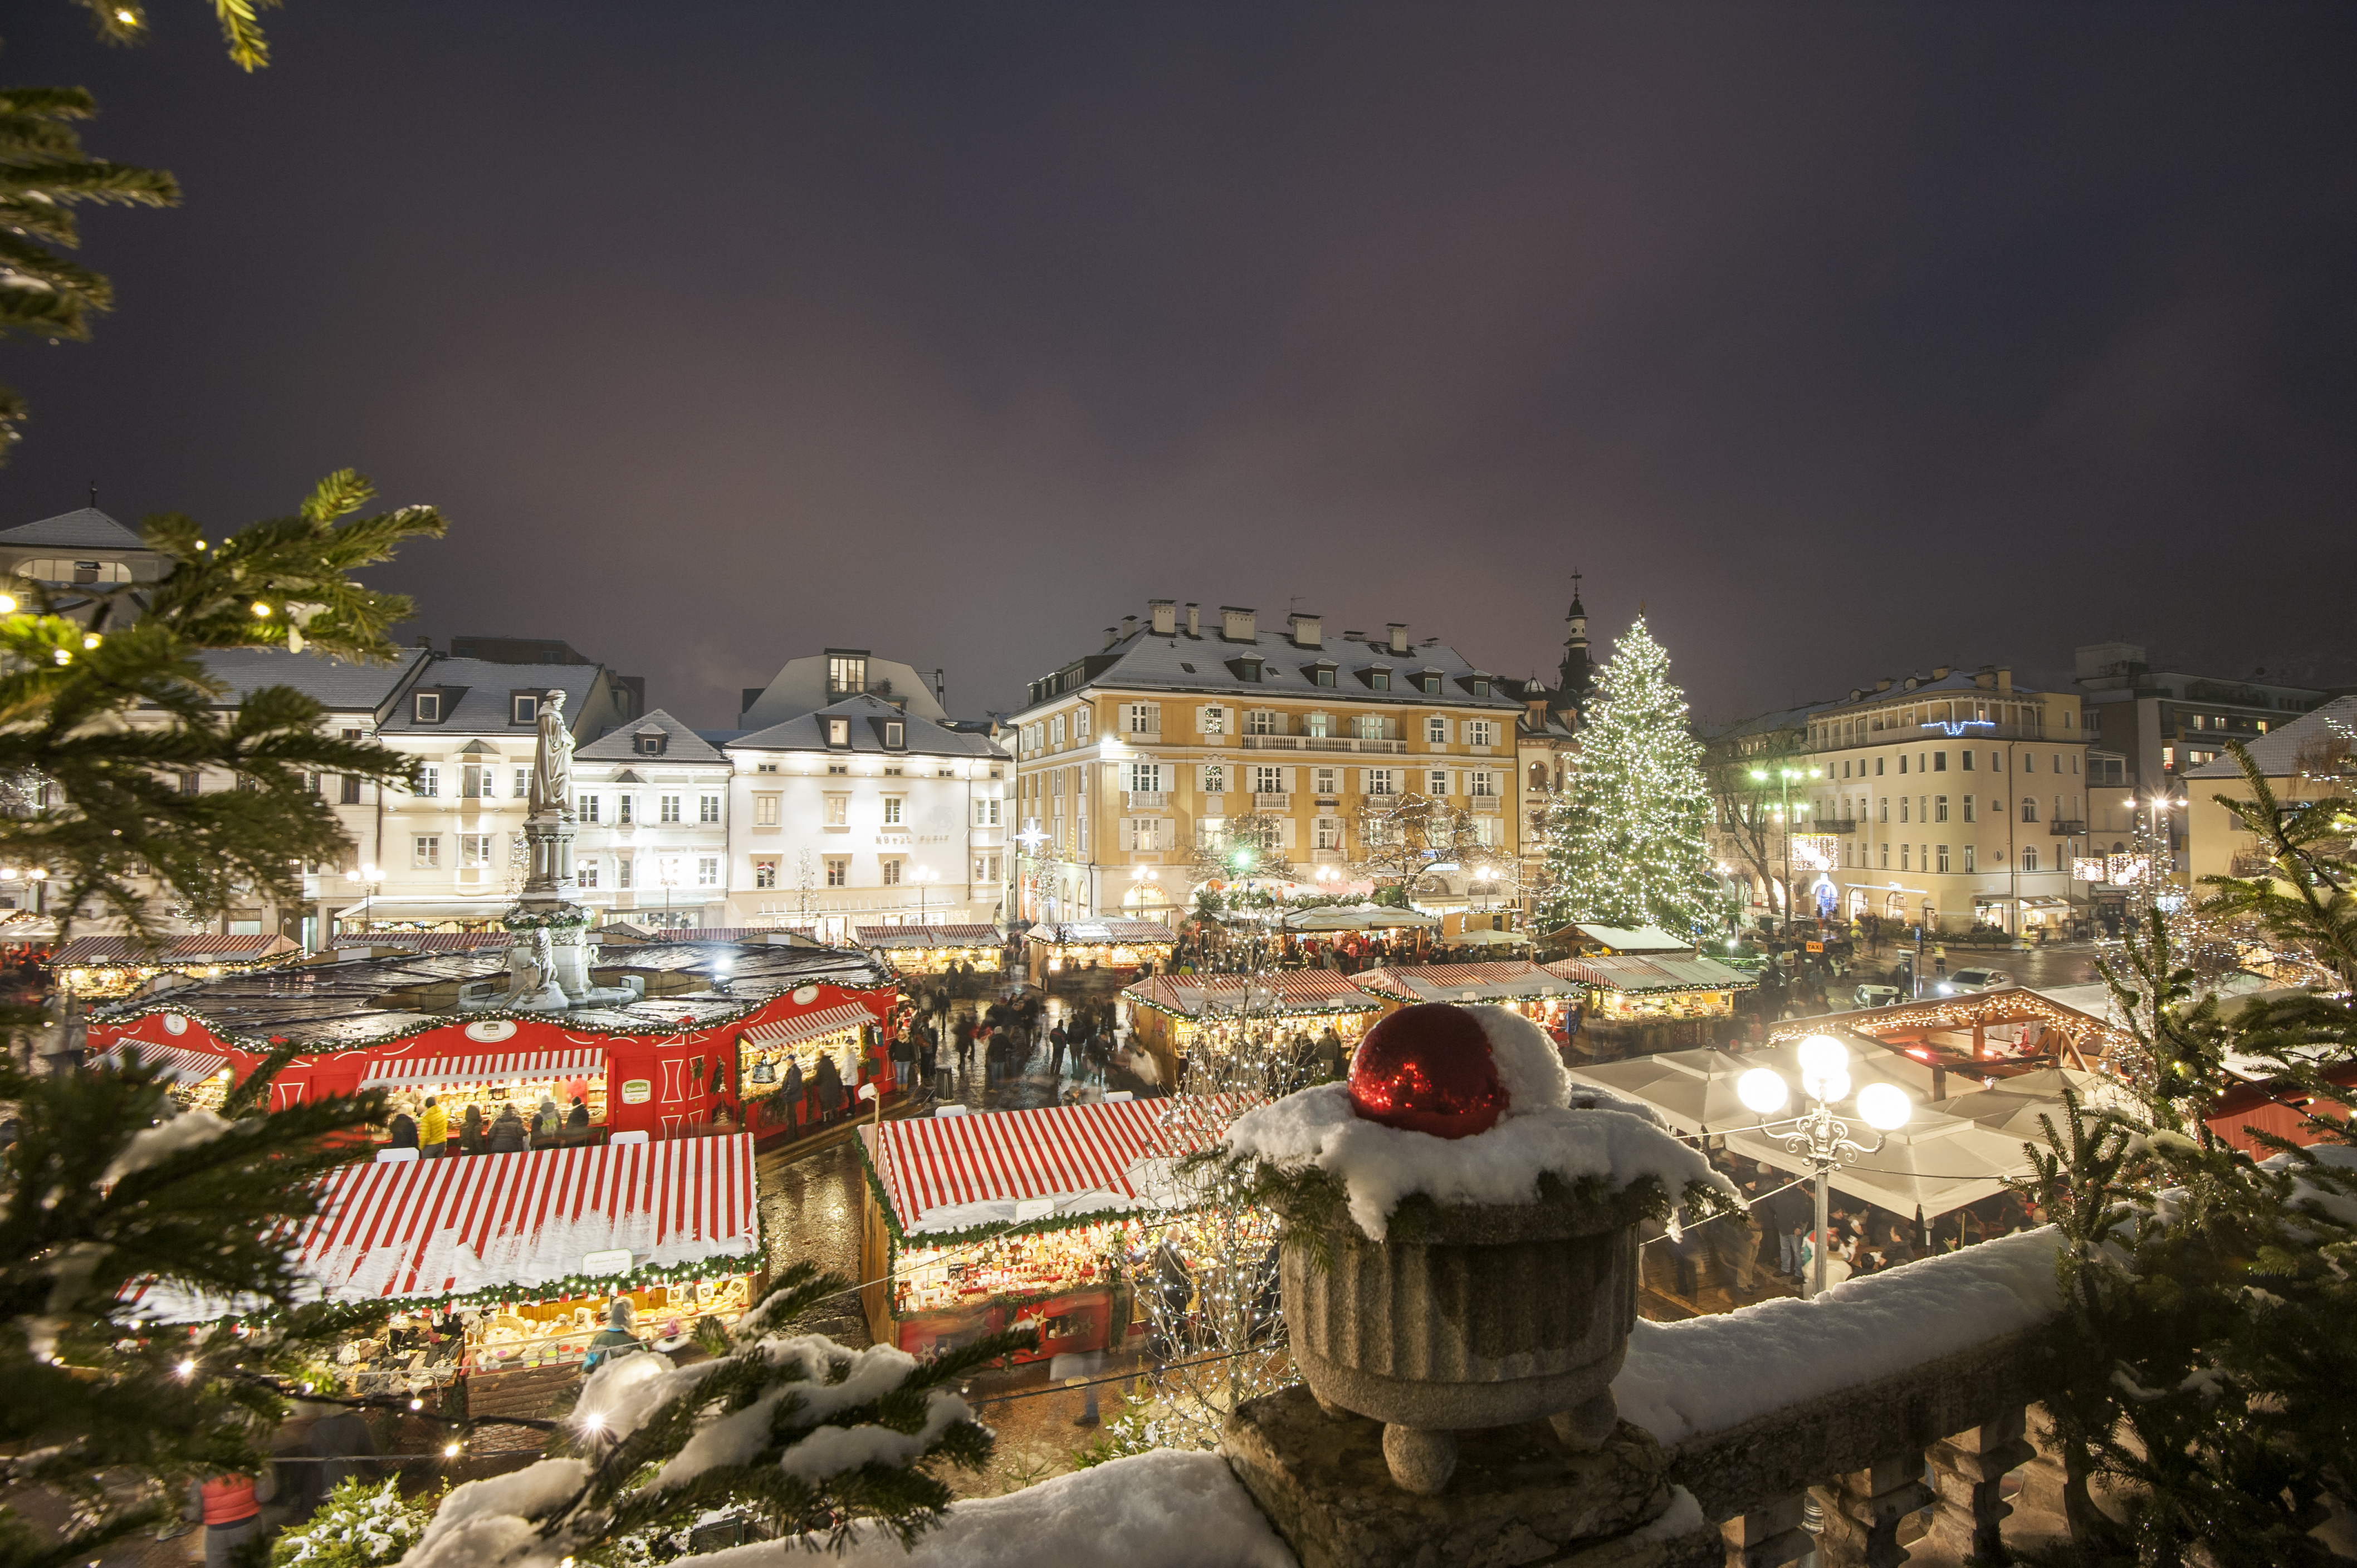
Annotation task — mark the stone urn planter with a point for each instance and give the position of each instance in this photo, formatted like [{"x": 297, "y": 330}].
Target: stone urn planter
[{"x": 1466, "y": 1316}]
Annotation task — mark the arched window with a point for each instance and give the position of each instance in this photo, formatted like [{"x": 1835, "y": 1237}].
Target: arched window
[
  {"x": 1538, "y": 775},
  {"x": 2030, "y": 808}
]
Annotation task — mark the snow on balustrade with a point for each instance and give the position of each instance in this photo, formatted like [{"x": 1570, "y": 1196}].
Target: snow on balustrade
[{"x": 1708, "y": 1374}]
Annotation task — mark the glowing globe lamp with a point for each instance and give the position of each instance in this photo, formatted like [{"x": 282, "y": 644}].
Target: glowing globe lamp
[{"x": 1763, "y": 1091}]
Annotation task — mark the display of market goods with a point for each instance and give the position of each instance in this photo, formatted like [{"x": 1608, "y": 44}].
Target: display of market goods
[{"x": 1429, "y": 1068}]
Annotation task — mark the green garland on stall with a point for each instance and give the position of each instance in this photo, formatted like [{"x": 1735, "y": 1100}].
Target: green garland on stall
[
  {"x": 570, "y": 1287},
  {"x": 260, "y": 1046}
]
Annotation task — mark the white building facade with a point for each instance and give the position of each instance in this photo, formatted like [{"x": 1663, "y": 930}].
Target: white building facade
[
  {"x": 864, "y": 813},
  {"x": 650, "y": 843}
]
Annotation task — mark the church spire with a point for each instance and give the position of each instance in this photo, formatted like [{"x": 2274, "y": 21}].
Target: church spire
[{"x": 1575, "y": 676}]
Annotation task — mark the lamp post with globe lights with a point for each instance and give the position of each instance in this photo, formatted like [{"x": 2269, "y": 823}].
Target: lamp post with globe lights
[{"x": 1817, "y": 1133}]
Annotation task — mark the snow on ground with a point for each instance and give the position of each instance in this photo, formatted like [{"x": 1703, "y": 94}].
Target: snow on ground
[
  {"x": 1708, "y": 1374},
  {"x": 1163, "y": 1510}
]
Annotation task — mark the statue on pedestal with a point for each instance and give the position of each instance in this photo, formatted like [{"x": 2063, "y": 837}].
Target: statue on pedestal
[{"x": 552, "y": 760}]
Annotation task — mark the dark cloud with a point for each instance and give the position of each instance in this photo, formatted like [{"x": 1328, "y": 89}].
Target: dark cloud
[{"x": 1845, "y": 338}]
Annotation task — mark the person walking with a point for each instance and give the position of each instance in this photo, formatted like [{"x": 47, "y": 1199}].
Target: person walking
[
  {"x": 830, "y": 1088},
  {"x": 1056, "y": 1041},
  {"x": 434, "y": 1130},
  {"x": 964, "y": 1037},
  {"x": 576, "y": 1122},
  {"x": 231, "y": 1507},
  {"x": 470, "y": 1132},
  {"x": 929, "y": 1056},
  {"x": 547, "y": 1126},
  {"x": 791, "y": 1094},
  {"x": 403, "y": 1130}
]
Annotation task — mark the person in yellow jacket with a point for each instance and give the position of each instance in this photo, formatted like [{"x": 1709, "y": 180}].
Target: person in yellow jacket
[{"x": 433, "y": 1131}]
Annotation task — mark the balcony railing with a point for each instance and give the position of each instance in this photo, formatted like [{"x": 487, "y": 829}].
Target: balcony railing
[
  {"x": 1271, "y": 800},
  {"x": 2067, "y": 827},
  {"x": 1488, "y": 805},
  {"x": 1149, "y": 800},
  {"x": 1342, "y": 743},
  {"x": 1827, "y": 825}
]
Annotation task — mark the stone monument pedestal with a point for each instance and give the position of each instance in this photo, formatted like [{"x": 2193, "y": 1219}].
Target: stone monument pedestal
[{"x": 1519, "y": 1496}]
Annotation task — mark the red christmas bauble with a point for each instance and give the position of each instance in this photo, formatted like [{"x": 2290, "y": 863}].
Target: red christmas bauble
[{"x": 1429, "y": 1068}]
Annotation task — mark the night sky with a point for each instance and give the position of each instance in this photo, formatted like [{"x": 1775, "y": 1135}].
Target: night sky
[{"x": 1848, "y": 339}]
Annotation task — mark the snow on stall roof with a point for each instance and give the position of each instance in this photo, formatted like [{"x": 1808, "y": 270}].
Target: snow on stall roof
[
  {"x": 1380, "y": 1166},
  {"x": 1708, "y": 1374},
  {"x": 1163, "y": 1509}
]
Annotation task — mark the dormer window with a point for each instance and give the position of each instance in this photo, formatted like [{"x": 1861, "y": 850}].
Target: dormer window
[
  {"x": 425, "y": 707},
  {"x": 1249, "y": 669},
  {"x": 1430, "y": 683},
  {"x": 838, "y": 732},
  {"x": 524, "y": 708},
  {"x": 1380, "y": 679},
  {"x": 651, "y": 742},
  {"x": 1323, "y": 674},
  {"x": 1480, "y": 686},
  {"x": 895, "y": 734}
]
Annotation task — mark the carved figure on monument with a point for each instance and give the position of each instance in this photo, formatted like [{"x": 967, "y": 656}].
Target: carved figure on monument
[{"x": 552, "y": 759}]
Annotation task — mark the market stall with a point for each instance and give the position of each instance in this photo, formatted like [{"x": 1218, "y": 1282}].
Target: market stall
[
  {"x": 1986, "y": 1033},
  {"x": 1539, "y": 994},
  {"x": 1117, "y": 949},
  {"x": 1185, "y": 1018},
  {"x": 845, "y": 1036},
  {"x": 982, "y": 1222},
  {"x": 930, "y": 949},
  {"x": 673, "y": 1064},
  {"x": 1631, "y": 988},
  {"x": 96, "y": 967},
  {"x": 510, "y": 1261}
]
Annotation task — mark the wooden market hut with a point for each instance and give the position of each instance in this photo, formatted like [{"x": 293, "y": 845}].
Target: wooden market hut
[
  {"x": 1179, "y": 1018},
  {"x": 111, "y": 966},
  {"x": 976, "y": 1223},
  {"x": 1984, "y": 1034},
  {"x": 930, "y": 949},
  {"x": 1116, "y": 947},
  {"x": 1651, "y": 1001},
  {"x": 1530, "y": 989}
]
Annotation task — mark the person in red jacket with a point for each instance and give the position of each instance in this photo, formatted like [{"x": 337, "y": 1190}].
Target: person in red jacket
[{"x": 230, "y": 1506}]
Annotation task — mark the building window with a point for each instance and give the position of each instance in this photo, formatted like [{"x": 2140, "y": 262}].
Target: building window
[
  {"x": 1142, "y": 718},
  {"x": 1260, "y": 720},
  {"x": 1146, "y": 778},
  {"x": 2030, "y": 808},
  {"x": 524, "y": 708},
  {"x": 1215, "y": 778},
  {"x": 1325, "y": 675},
  {"x": 765, "y": 873},
  {"x": 1215, "y": 721},
  {"x": 1440, "y": 782},
  {"x": 622, "y": 871},
  {"x": 1330, "y": 832},
  {"x": 764, "y": 767},
  {"x": 650, "y": 743},
  {"x": 1968, "y": 802},
  {"x": 2029, "y": 858},
  {"x": 895, "y": 734},
  {"x": 1428, "y": 685},
  {"x": 625, "y": 810},
  {"x": 1939, "y": 807},
  {"x": 1367, "y": 726},
  {"x": 894, "y": 772},
  {"x": 1943, "y": 860},
  {"x": 1877, "y": 767},
  {"x": 584, "y": 873},
  {"x": 838, "y": 768},
  {"x": 838, "y": 812},
  {"x": 474, "y": 783},
  {"x": 891, "y": 874},
  {"x": 707, "y": 871},
  {"x": 1480, "y": 688},
  {"x": 349, "y": 790},
  {"x": 1436, "y": 731},
  {"x": 587, "y": 806},
  {"x": 1483, "y": 781},
  {"x": 1378, "y": 781},
  {"x": 1325, "y": 780},
  {"x": 1903, "y": 808},
  {"x": 669, "y": 807},
  {"x": 707, "y": 809},
  {"x": 425, "y": 707},
  {"x": 427, "y": 783},
  {"x": 1480, "y": 732},
  {"x": 838, "y": 732},
  {"x": 1267, "y": 781},
  {"x": 892, "y": 804},
  {"x": 426, "y": 851},
  {"x": 475, "y": 850},
  {"x": 838, "y": 871},
  {"x": 1968, "y": 857},
  {"x": 1317, "y": 724},
  {"x": 846, "y": 674},
  {"x": 1886, "y": 855},
  {"x": 1056, "y": 730},
  {"x": 1903, "y": 856}
]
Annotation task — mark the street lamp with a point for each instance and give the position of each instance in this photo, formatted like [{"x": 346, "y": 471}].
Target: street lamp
[
  {"x": 1784, "y": 777},
  {"x": 1816, "y": 1134},
  {"x": 921, "y": 875}
]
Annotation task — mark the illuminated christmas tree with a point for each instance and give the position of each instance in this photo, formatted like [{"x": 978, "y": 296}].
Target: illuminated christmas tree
[{"x": 1625, "y": 844}]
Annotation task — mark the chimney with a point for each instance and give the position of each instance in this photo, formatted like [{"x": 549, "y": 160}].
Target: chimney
[
  {"x": 1309, "y": 631},
  {"x": 1128, "y": 625},
  {"x": 1112, "y": 635},
  {"x": 1238, "y": 625},
  {"x": 2005, "y": 677},
  {"x": 1165, "y": 616},
  {"x": 1939, "y": 672},
  {"x": 1883, "y": 684},
  {"x": 1194, "y": 621},
  {"x": 1399, "y": 636}
]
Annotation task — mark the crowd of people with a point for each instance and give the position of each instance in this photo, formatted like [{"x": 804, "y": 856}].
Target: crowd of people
[{"x": 429, "y": 1131}]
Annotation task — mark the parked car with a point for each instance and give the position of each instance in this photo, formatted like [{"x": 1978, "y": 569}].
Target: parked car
[
  {"x": 1868, "y": 996},
  {"x": 1965, "y": 980}
]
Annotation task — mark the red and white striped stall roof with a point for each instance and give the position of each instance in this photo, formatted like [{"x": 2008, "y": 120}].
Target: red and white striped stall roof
[
  {"x": 947, "y": 1173},
  {"x": 1293, "y": 990},
  {"x": 440, "y": 1072},
  {"x": 449, "y": 1227},
  {"x": 803, "y": 1027},
  {"x": 179, "y": 1063}
]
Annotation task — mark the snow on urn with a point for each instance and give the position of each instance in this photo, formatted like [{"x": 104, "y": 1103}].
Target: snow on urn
[{"x": 1460, "y": 1239}]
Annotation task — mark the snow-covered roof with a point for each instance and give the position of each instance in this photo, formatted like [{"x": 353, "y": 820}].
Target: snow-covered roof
[
  {"x": 1634, "y": 974},
  {"x": 950, "y": 1173},
  {"x": 479, "y": 689},
  {"x": 680, "y": 744},
  {"x": 1639, "y": 938},
  {"x": 1285, "y": 991},
  {"x": 928, "y": 936},
  {"x": 805, "y": 732},
  {"x": 84, "y": 528},
  {"x": 1210, "y": 663},
  {"x": 336, "y": 685},
  {"x": 2277, "y": 751},
  {"x": 205, "y": 947},
  {"x": 1104, "y": 933},
  {"x": 1464, "y": 982}
]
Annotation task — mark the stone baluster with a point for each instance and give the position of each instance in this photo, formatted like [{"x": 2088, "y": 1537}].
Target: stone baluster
[
  {"x": 1862, "y": 1510},
  {"x": 1968, "y": 1473},
  {"x": 1767, "y": 1537}
]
